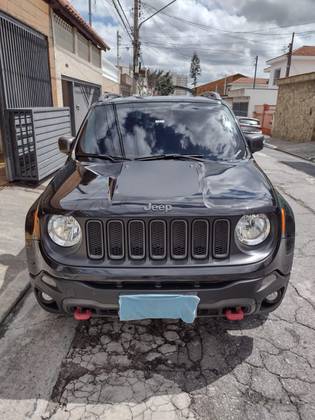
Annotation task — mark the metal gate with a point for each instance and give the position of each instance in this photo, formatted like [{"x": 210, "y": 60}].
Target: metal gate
[
  {"x": 24, "y": 77},
  {"x": 24, "y": 65},
  {"x": 34, "y": 137}
]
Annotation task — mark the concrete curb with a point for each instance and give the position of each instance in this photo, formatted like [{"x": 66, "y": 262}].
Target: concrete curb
[
  {"x": 271, "y": 146},
  {"x": 6, "y": 311}
]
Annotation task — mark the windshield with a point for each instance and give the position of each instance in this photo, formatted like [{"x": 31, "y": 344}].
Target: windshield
[{"x": 137, "y": 130}]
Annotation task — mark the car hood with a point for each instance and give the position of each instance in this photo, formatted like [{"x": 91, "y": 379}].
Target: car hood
[{"x": 148, "y": 187}]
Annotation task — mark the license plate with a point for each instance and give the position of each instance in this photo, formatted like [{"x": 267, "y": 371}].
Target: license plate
[{"x": 149, "y": 306}]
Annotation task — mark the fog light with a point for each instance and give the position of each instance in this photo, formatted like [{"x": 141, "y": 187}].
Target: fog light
[
  {"x": 272, "y": 297},
  {"x": 46, "y": 298}
]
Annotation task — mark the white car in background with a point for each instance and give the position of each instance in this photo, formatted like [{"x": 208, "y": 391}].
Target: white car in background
[{"x": 249, "y": 125}]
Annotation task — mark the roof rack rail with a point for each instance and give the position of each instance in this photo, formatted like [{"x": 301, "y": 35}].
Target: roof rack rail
[
  {"x": 212, "y": 95},
  {"x": 107, "y": 96}
]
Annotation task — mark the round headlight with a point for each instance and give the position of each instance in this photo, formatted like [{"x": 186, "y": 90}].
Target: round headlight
[
  {"x": 64, "y": 230},
  {"x": 252, "y": 229}
]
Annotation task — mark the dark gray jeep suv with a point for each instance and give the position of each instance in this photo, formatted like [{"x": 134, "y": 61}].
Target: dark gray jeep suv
[{"x": 160, "y": 211}]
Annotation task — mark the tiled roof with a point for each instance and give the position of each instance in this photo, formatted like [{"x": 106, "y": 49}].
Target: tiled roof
[
  {"x": 223, "y": 79},
  {"x": 65, "y": 9},
  {"x": 306, "y": 50}
]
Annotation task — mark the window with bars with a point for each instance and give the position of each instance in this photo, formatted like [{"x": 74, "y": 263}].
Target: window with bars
[
  {"x": 64, "y": 35},
  {"x": 95, "y": 56},
  {"x": 83, "y": 47},
  {"x": 240, "y": 109}
]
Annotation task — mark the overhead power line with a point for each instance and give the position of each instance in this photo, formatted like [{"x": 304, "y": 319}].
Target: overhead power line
[
  {"x": 122, "y": 9},
  {"x": 211, "y": 27},
  {"x": 113, "y": 3}
]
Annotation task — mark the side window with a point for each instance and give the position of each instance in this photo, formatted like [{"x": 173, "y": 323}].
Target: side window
[
  {"x": 99, "y": 135},
  {"x": 106, "y": 135}
]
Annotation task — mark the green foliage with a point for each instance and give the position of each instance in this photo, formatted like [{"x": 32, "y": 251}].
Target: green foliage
[
  {"x": 160, "y": 83},
  {"x": 195, "y": 69},
  {"x": 164, "y": 85},
  {"x": 153, "y": 76}
]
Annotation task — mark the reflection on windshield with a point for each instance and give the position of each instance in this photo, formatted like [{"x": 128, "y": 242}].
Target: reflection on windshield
[{"x": 163, "y": 128}]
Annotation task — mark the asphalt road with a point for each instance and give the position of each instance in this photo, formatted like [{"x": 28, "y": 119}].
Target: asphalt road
[{"x": 54, "y": 368}]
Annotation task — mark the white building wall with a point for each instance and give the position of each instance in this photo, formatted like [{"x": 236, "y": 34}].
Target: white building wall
[
  {"x": 299, "y": 65},
  {"x": 179, "y": 80},
  {"x": 111, "y": 76},
  {"x": 236, "y": 86},
  {"x": 260, "y": 97}
]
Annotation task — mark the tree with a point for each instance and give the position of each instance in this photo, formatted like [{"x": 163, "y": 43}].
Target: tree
[
  {"x": 165, "y": 85},
  {"x": 153, "y": 77},
  {"x": 195, "y": 69}
]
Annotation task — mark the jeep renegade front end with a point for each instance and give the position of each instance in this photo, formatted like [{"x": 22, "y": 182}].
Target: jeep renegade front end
[{"x": 160, "y": 196}]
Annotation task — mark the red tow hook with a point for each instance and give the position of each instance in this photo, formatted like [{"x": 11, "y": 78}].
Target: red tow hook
[
  {"x": 238, "y": 315},
  {"x": 82, "y": 314}
]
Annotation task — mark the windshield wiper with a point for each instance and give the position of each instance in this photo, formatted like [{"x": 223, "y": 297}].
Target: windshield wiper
[
  {"x": 105, "y": 157},
  {"x": 178, "y": 156}
]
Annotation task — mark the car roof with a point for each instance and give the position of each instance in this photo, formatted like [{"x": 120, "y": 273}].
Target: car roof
[{"x": 151, "y": 99}]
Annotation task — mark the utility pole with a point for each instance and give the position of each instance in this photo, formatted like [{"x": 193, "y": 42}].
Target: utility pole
[
  {"x": 90, "y": 12},
  {"x": 287, "y": 73},
  {"x": 135, "y": 44},
  {"x": 256, "y": 62},
  {"x": 118, "y": 38},
  {"x": 136, "y": 41}
]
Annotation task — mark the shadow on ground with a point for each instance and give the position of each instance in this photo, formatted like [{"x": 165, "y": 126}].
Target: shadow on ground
[
  {"x": 307, "y": 168},
  {"x": 15, "y": 264}
]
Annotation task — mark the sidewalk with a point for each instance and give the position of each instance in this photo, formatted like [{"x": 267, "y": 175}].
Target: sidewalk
[
  {"x": 14, "y": 281},
  {"x": 302, "y": 150}
]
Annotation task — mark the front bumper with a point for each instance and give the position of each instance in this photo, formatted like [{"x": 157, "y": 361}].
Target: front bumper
[
  {"x": 102, "y": 298},
  {"x": 218, "y": 288}
]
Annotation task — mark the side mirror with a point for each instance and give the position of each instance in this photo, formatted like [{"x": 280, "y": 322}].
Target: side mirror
[
  {"x": 65, "y": 144},
  {"x": 255, "y": 142}
]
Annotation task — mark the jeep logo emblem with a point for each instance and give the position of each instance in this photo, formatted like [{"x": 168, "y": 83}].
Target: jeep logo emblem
[{"x": 158, "y": 207}]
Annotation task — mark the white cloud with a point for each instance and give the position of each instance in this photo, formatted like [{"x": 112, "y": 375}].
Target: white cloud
[{"x": 215, "y": 32}]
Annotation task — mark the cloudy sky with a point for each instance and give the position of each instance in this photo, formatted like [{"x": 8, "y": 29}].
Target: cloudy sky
[{"x": 226, "y": 34}]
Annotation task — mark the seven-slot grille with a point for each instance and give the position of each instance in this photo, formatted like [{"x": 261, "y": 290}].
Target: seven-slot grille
[{"x": 158, "y": 239}]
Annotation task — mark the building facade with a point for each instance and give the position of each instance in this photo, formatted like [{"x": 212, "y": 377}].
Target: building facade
[
  {"x": 294, "y": 118},
  {"x": 49, "y": 57},
  {"x": 219, "y": 85},
  {"x": 178, "y": 81},
  {"x": 111, "y": 76},
  {"x": 244, "y": 97},
  {"x": 302, "y": 61},
  {"x": 78, "y": 61}
]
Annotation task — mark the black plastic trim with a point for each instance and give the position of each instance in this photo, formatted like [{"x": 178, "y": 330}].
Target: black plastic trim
[
  {"x": 137, "y": 257},
  {"x": 204, "y": 256},
  {"x": 216, "y": 255},
  {"x": 91, "y": 255}
]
